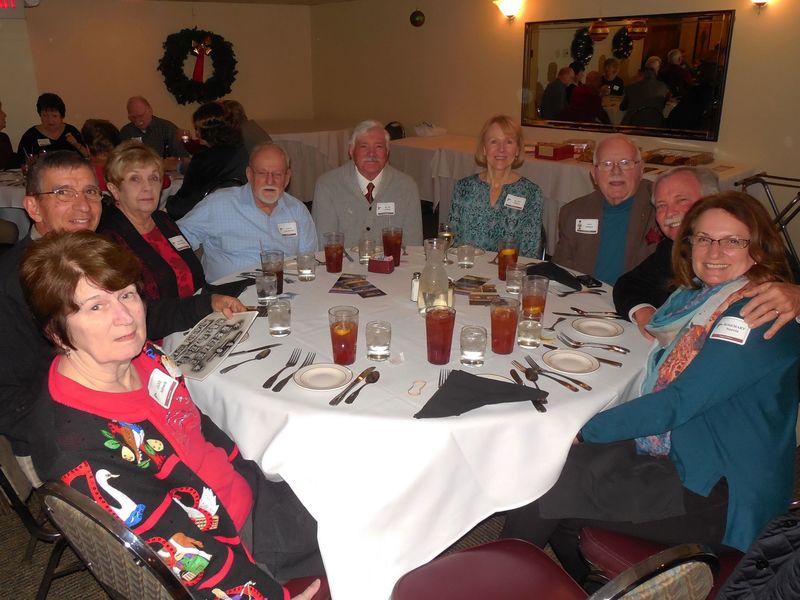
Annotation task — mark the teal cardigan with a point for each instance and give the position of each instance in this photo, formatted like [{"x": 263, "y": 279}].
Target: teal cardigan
[{"x": 732, "y": 414}]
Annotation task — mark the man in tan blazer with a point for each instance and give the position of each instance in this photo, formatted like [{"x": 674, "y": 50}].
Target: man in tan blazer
[{"x": 610, "y": 231}]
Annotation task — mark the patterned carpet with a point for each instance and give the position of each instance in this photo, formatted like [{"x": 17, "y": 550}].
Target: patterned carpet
[{"x": 20, "y": 580}]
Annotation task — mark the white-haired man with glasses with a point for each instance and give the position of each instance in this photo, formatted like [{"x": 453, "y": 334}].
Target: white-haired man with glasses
[{"x": 613, "y": 229}]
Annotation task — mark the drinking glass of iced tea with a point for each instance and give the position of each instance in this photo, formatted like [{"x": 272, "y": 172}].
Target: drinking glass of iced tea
[
  {"x": 334, "y": 251},
  {"x": 343, "y": 321},
  {"x": 439, "y": 324},
  {"x": 393, "y": 243},
  {"x": 504, "y": 324},
  {"x": 534, "y": 296},
  {"x": 507, "y": 254}
]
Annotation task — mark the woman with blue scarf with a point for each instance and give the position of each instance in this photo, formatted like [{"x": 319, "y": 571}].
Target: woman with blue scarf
[{"x": 706, "y": 454}]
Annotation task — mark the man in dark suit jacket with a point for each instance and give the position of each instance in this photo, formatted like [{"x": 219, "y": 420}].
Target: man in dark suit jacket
[
  {"x": 613, "y": 229},
  {"x": 639, "y": 292},
  {"x": 62, "y": 194}
]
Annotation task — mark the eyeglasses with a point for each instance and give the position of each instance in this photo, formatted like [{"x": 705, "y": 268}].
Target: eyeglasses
[
  {"x": 272, "y": 174},
  {"x": 729, "y": 243},
  {"x": 67, "y": 195},
  {"x": 625, "y": 164}
]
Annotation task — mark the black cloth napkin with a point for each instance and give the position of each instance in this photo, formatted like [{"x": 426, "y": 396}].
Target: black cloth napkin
[
  {"x": 463, "y": 392},
  {"x": 556, "y": 273},
  {"x": 232, "y": 288}
]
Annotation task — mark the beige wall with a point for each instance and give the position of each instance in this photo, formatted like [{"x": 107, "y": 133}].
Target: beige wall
[
  {"x": 465, "y": 64},
  {"x": 96, "y": 54}
]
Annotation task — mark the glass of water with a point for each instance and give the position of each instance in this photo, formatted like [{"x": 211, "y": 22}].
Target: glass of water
[
  {"x": 529, "y": 333},
  {"x": 473, "y": 345},
  {"x": 366, "y": 250},
  {"x": 279, "y": 314},
  {"x": 266, "y": 288},
  {"x": 306, "y": 267},
  {"x": 465, "y": 256},
  {"x": 515, "y": 276},
  {"x": 379, "y": 339}
]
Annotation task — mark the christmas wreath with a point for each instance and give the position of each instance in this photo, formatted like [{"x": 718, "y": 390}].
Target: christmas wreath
[
  {"x": 622, "y": 45},
  {"x": 582, "y": 47},
  {"x": 178, "y": 46}
]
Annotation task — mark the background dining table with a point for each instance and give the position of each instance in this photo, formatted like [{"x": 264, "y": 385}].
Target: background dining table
[{"x": 391, "y": 492}]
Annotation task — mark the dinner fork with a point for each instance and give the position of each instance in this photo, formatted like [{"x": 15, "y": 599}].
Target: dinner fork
[
  {"x": 443, "y": 375},
  {"x": 308, "y": 360},
  {"x": 539, "y": 371},
  {"x": 576, "y": 344},
  {"x": 293, "y": 358}
]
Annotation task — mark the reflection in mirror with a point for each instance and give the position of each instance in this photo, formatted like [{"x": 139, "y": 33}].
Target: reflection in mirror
[{"x": 658, "y": 75}]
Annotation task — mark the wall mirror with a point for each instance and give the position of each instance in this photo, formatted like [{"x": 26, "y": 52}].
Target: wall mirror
[{"x": 689, "y": 109}]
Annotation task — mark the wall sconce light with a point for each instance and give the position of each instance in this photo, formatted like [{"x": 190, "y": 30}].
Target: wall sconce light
[
  {"x": 509, "y": 8},
  {"x": 759, "y": 4}
]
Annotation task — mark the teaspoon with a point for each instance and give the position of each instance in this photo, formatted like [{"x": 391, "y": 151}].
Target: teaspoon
[
  {"x": 259, "y": 356},
  {"x": 371, "y": 378}
]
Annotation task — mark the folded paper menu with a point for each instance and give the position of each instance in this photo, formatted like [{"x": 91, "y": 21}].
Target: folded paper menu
[
  {"x": 463, "y": 392},
  {"x": 350, "y": 283}
]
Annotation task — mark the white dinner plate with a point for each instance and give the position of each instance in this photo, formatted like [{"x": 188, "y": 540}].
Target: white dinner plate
[
  {"x": 570, "y": 361},
  {"x": 478, "y": 252},
  {"x": 323, "y": 377},
  {"x": 602, "y": 328},
  {"x": 494, "y": 377}
]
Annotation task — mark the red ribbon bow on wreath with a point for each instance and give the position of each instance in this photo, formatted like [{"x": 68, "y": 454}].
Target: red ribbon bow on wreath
[{"x": 200, "y": 50}]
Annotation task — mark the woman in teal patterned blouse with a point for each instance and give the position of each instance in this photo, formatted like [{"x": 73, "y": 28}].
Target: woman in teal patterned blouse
[{"x": 498, "y": 203}]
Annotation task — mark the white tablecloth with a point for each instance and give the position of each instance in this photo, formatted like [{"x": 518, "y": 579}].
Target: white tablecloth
[
  {"x": 391, "y": 492},
  {"x": 437, "y": 162}
]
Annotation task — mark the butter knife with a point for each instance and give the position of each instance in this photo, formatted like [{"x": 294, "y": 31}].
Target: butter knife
[
  {"x": 537, "y": 404},
  {"x": 253, "y": 349},
  {"x": 347, "y": 256},
  {"x": 361, "y": 376},
  {"x": 586, "y": 314}
]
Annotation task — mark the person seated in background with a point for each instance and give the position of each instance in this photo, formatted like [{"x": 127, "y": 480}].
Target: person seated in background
[
  {"x": 498, "y": 202},
  {"x": 233, "y": 225},
  {"x": 221, "y": 165},
  {"x": 100, "y": 137},
  {"x": 554, "y": 99},
  {"x": 613, "y": 229},
  {"x": 252, "y": 133},
  {"x": 8, "y": 159},
  {"x": 186, "y": 489},
  {"x": 639, "y": 292},
  {"x": 585, "y": 105},
  {"x": 579, "y": 69},
  {"x": 612, "y": 84},
  {"x": 646, "y": 94},
  {"x": 365, "y": 195},
  {"x": 706, "y": 454},
  {"x": 61, "y": 194},
  {"x": 52, "y": 133},
  {"x": 160, "y": 134},
  {"x": 170, "y": 268},
  {"x": 676, "y": 73},
  {"x": 653, "y": 63}
]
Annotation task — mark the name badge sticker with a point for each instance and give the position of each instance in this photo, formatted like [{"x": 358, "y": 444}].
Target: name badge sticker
[
  {"x": 179, "y": 242},
  {"x": 43, "y": 142},
  {"x": 161, "y": 387},
  {"x": 385, "y": 208},
  {"x": 731, "y": 329},
  {"x": 587, "y": 226},
  {"x": 515, "y": 202},
  {"x": 288, "y": 229}
]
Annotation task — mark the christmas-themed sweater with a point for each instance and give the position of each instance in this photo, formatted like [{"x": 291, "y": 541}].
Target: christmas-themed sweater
[{"x": 150, "y": 458}]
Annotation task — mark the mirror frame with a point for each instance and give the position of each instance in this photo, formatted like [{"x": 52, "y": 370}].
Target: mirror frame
[{"x": 529, "y": 88}]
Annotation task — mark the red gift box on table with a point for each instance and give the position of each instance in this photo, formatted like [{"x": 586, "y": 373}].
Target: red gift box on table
[
  {"x": 381, "y": 265},
  {"x": 551, "y": 151}
]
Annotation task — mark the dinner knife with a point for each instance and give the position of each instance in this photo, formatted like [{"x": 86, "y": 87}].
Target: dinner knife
[
  {"x": 253, "y": 349},
  {"x": 361, "y": 376},
  {"x": 347, "y": 256},
  {"x": 607, "y": 361},
  {"x": 590, "y": 315}
]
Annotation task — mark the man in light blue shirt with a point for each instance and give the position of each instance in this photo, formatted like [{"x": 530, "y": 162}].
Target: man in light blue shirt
[{"x": 234, "y": 224}]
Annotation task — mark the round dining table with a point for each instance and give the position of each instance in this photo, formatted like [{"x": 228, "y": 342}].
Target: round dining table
[{"x": 390, "y": 491}]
